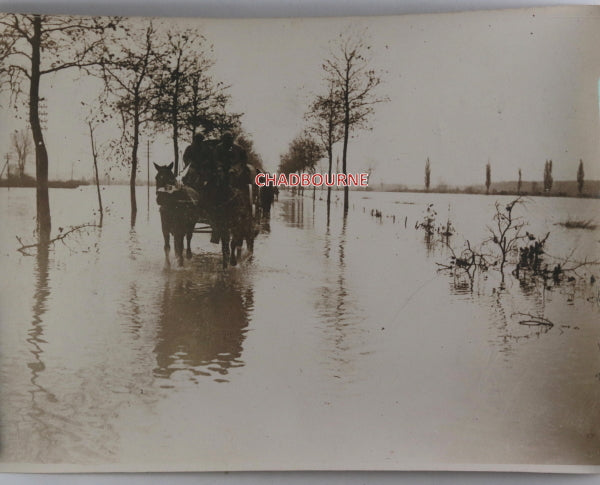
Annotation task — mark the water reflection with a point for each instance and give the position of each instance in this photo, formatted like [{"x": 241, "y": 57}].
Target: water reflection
[
  {"x": 135, "y": 248},
  {"x": 502, "y": 303},
  {"x": 293, "y": 210},
  {"x": 35, "y": 340},
  {"x": 337, "y": 309},
  {"x": 202, "y": 327},
  {"x": 430, "y": 241},
  {"x": 151, "y": 329}
]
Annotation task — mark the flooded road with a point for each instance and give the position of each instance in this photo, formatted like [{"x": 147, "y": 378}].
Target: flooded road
[{"x": 339, "y": 347}]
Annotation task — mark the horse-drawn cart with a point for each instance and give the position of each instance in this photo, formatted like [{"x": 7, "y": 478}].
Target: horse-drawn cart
[{"x": 225, "y": 211}]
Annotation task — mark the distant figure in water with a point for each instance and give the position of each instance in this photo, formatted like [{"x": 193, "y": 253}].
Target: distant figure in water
[{"x": 267, "y": 195}]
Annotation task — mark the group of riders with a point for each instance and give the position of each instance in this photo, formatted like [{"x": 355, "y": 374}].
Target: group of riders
[{"x": 218, "y": 189}]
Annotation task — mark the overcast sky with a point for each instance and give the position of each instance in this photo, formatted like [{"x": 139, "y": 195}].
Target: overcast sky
[{"x": 512, "y": 87}]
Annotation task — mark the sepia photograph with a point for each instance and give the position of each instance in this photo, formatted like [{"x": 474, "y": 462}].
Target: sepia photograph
[{"x": 340, "y": 243}]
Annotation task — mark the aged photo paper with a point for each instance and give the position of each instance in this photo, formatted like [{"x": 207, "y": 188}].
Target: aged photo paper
[{"x": 364, "y": 243}]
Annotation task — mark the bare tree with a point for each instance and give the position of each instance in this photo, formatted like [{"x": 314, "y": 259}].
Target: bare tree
[
  {"x": 580, "y": 175},
  {"x": 97, "y": 179},
  {"x": 170, "y": 82},
  {"x": 507, "y": 232},
  {"x": 21, "y": 144},
  {"x": 207, "y": 100},
  {"x": 519, "y": 183},
  {"x": 325, "y": 117},
  {"x": 355, "y": 83},
  {"x": 187, "y": 95},
  {"x": 33, "y": 46},
  {"x": 488, "y": 177},
  {"x": 129, "y": 64},
  {"x": 427, "y": 174}
]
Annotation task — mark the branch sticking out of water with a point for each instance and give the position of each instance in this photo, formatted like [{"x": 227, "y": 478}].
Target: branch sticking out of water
[
  {"x": 534, "y": 320},
  {"x": 23, "y": 249}
]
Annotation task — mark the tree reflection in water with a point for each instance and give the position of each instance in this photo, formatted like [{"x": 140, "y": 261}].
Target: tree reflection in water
[
  {"x": 340, "y": 312},
  {"x": 35, "y": 340},
  {"x": 202, "y": 327}
]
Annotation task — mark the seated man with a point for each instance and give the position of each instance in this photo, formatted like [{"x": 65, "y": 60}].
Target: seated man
[
  {"x": 267, "y": 194},
  {"x": 196, "y": 159},
  {"x": 228, "y": 153}
]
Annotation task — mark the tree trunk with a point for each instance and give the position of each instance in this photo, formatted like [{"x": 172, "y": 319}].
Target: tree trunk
[
  {"x": 175, "y": 148},
  {"x": 330, "y": 157},
  {"x": 346, "y": 134},
  {"x": 95, "y": 156},
  {"x": 174, "y": 117},
  {"x": 41, "y": 155},
  {"x": 134, "y": 162}
]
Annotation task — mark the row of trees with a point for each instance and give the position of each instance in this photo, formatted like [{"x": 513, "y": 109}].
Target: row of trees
[
  {"x": 160, "y": 80},
  {"x": 345, "y": 105},
  {"x": 548, "y": 179},
  {"x": 154, "y": 79}
]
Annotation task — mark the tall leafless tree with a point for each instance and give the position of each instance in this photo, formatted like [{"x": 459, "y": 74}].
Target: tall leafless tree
[
  {"x": 187, "y": 95},
  {"x": 21, "y": 144},
  {"x": 325, "y": 117},
  {"x": 130, "y": 62},
  {"x": 427, "y": 174},
  {"x": 206, "y": 105},
  {"x": 96, "y": 177},
  {"x": 488, "y": 177},
  {"x": 355, "y": 84},
  {"x": 33, "y": 46}
]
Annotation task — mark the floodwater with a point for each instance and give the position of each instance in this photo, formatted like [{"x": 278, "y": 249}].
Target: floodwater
[{"x": 331, "y": 348}]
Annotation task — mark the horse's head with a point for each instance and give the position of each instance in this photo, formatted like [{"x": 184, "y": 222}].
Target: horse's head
[{"x": 164, "y": 176}]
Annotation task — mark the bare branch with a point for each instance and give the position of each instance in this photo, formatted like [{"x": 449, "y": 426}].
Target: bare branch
[
  {"x": 24, "y": 247},
  {"x": 533, "y": 320}
]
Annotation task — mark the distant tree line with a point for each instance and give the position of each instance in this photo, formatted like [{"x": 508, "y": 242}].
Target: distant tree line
[{"x": 548, "y": 180}]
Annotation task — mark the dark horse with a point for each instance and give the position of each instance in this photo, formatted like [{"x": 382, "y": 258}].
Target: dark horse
[{"x": 179, "y": 211}]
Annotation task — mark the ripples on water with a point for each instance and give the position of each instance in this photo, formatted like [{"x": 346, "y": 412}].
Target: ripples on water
[{"x": 338, "y": 328}]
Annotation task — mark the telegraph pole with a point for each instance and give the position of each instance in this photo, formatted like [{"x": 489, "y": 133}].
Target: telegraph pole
[{"x": 148, "y": 173}]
